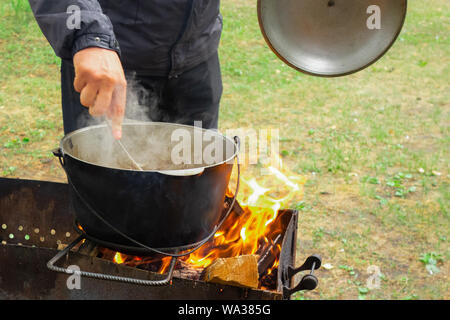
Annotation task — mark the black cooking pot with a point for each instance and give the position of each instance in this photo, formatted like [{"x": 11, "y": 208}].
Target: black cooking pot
[{"x": 175, "y": 203}]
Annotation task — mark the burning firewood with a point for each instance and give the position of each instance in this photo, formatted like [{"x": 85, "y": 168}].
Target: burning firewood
[
  {"x": 186, "y": 271},
  {"x": 266, "y": 255},
  {"x": 239, "y": 271}
]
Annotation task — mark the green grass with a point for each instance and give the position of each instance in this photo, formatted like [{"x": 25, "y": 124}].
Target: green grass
[
  {"x": 368, "y": 143},
  {"x": 373, "y": 145}
]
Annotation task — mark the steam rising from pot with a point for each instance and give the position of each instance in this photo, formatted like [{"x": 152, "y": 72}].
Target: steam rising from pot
[
  {"x": 155, "y": 146},
  {"x": 162, "y": 147},
  {"x": 139, "y": 104}
]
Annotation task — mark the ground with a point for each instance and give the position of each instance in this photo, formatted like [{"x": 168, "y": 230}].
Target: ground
[{"x": 373, "y": 146}]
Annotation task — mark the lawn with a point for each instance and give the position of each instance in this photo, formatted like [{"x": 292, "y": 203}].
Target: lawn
[{"x": 373, "y": 146}]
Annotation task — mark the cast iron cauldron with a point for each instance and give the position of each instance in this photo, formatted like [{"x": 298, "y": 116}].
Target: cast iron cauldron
[{"x": 176, "y": 202}]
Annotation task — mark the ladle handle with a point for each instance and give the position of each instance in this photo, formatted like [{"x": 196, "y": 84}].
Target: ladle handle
[{"x": 135, "y": 164}]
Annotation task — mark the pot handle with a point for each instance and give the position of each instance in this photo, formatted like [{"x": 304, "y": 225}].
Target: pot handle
[
  {"x": 308, "y": 282},
  {"x": 59, "y": 153}
]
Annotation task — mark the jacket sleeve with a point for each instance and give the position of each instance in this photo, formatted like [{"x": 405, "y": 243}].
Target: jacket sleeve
[{"x": 73, "y": 25}]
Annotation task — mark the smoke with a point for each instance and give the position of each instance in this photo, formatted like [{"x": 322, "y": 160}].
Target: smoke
[
  {"x": 151, "y": 146},
  {"x": 103, "y": 149},
  {"x": 154, "y": 146},
  {"x": 141, "y": 102}
]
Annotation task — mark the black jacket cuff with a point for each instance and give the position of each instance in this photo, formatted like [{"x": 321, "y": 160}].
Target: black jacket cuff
[{"x": 95, "y": 40}]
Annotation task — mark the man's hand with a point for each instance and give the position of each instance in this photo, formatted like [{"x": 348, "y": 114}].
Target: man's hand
[{"x": 100, "y": 80}]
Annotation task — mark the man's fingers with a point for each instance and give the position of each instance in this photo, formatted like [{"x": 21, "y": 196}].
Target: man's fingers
[
  {"x": 79, "y": 83},
  {"x": 116, "y": 125},
  {"x": 88, "y": 95},
  {"x": 102, "y": 102},
  {"x": 117, "y": 110},
  {"x": 100, "y": 79}
]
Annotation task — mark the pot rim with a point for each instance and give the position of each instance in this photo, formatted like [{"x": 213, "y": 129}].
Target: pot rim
[{"x": 175, "y": 172}]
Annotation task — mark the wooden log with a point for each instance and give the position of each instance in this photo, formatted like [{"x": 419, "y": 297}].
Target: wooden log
[
  {"x": 238, "y": 271},
  {"x": 186, "y": 271},
  {"x": 267, "y": 257}
]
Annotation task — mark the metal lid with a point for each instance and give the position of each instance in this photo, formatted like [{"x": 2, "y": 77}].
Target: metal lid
[{"x": 331, "y": 38}]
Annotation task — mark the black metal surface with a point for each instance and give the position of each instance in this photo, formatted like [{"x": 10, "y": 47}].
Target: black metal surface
[
  {"x": 24, "y": 275},
  {"x": 286, "y": 269},
  {"x": 167, "y": 212},
  {"x": 138, "y": 247},
  {"x": 308, "y": 281},
  {"x": 312, "y": 263},
  {"x": 51, "y": 264},
  {"x": 156, "y": 218},
  {"x": 44, "y": 205},
  {"x": 35, "y": 210},
  {"x": 288, "y": 253}
]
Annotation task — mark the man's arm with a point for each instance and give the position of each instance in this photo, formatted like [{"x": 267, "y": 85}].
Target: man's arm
[
  {"x": 78, "y": 30},
  {"x": 69, "y": 30}
]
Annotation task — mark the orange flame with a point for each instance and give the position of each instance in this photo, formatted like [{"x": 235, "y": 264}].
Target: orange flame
[
  {"x": 257, "y": 226},
  {"x": 263, "y": 197},
  {"x": 118, "y": 258}
]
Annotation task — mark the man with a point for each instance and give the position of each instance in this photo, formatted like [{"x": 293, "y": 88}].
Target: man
[{"x": 167, "y": 47}]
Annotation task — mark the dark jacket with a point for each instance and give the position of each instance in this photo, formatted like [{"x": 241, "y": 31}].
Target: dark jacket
[{"x": 153, "y": 37}]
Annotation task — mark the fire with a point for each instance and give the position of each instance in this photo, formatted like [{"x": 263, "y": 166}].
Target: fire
[
  {"x": 239, "y": 235},
  {"x": 262, "y": 196},
  {"x": 246, "y": 232},
  {"x": 243, "y": 234},
  {"x": 118, "y": 258}
]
